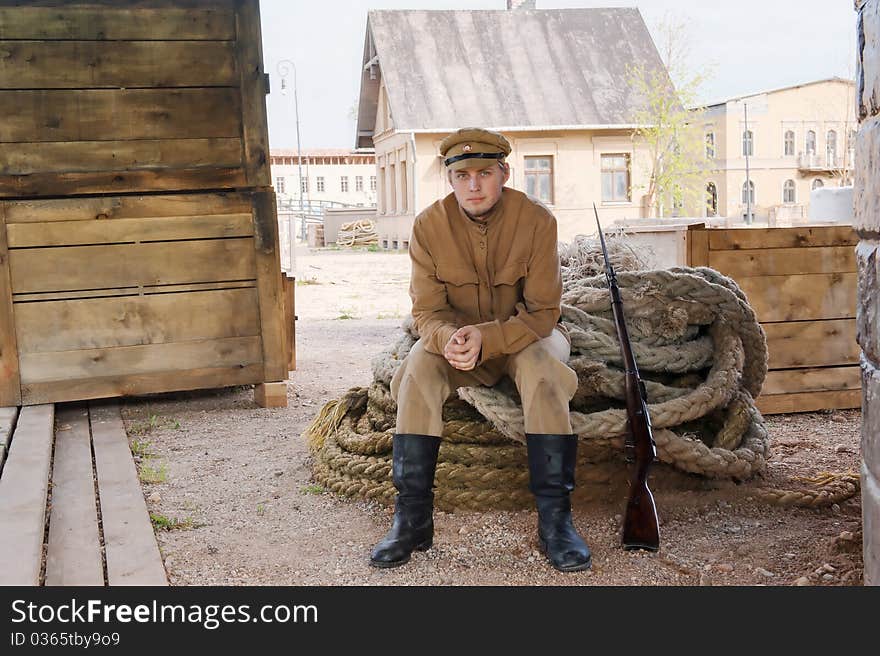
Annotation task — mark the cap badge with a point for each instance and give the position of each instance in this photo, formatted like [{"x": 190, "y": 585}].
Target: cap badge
[{"x": 466, "y": 148}]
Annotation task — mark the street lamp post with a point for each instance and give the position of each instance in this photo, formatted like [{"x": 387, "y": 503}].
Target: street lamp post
[{"x": 284, "y": 67}]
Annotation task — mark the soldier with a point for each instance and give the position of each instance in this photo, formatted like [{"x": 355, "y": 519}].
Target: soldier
[{"x": 486, "y": 290}]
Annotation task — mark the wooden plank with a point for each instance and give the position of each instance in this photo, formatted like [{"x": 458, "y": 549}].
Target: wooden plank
[
  {"x": 132, "y": 360},
  {"x": 133, "y": 556},
  {"x": 8, "y": 417},
  {"x": 271, "y": 395},
  {"x": 146, "y": 290},
  {"x": 91, "y": 23},
  {"x": 23, "y": 489},
  {"x": 114, "y": 182},
  {"x": 116, "y": 64},
  {"x": 138, "y": 320},
  {"x": 249, "y": 58},
  {"x": 111, "y": 266},
  {"x": 698, "y": 247},
  {"x": 10, "y": 390},
  {"x": 783, "y": 261},
  {"x": 289, "y": 290},
  {"x": 73, "y": 556},
  {"x": 775, "y": 404},
  {"x": 822, "y": 379},
  {"x": 793, "y": 344},
  {"x": 135, "y": 385},
  {"x": 125, "y": 207},
  {"x": 119, "y": 114},
  {"x": 70, "y": 233},
  {"x": 86, "y": 156},
  {"x": 746, "y": 238},
  {"x": 269, "y": 285},
  {"x": 795, "y": 298}
]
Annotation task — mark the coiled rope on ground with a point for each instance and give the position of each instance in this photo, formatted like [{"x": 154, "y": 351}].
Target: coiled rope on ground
[{"x": 699, "y": 348}]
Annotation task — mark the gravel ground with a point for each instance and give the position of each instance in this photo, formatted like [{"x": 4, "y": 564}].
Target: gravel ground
[{"x": 234, "y": 481}]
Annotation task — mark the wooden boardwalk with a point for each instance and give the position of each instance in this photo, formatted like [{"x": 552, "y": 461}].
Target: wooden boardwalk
[{"x": 72, "y": 511}]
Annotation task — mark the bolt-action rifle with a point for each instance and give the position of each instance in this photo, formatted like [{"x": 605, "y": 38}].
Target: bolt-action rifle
[{"x": 641, "y": 530}]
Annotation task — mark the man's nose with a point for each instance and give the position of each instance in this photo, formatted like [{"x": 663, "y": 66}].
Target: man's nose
[{"x": 474, "y": 183}]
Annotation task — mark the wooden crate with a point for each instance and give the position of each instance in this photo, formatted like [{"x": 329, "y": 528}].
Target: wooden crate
[
  {"x": 126, "y": 295},
  {"x": 120, "y": 96},
  {"x": 801, "y": 282}
]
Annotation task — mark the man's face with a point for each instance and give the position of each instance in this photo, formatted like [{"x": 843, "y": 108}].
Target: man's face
[{"x": 478, "y": 188}]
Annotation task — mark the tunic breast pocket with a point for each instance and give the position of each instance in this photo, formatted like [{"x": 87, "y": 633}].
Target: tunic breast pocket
[
  {"x": 508, "y": 286},
  {"x": 461, "y": 286}
]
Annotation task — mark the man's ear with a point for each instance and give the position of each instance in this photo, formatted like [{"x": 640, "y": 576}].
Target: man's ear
[{"x": 506, "y": 168}]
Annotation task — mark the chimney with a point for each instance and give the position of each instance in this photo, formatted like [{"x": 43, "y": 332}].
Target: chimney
[{"x": 520, "y": 4}]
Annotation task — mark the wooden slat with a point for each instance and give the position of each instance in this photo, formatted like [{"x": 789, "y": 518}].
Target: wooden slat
[
  {"x": 23, "y": 489},
  {"x": 794, "y": 298},
  {"x": 10, "y": 391},
  {"x": 793, "y": 343},
  {"x": 269, "y": 286},
  {"x": 134, "y": 385},
  {"x": 119, "y": 114},
  {"x": 73, "y": 556},
  {"x": 289, "y": 290},
  {"x": 70, "y": 233},
  {"x": 87, "y": 156},
  {"x": 147, "y": 290},
  {"x": 115, "y": 182},
  {"x": 125, "y": 207},
  {"x": 133, "y": 556},
  {"x": 808, "y": 401},
  {"x": 8, "y": 417},
  {"x": 783, "y": 261},
  {"x": 136, "y": 321},
  {"x": 823, "y": 379},
  {"x": 745, "y": 238},
  {"x": 698, "y": 247},
  {"x": 87, "y": 23},
  {"x": 116, "y": 64},
  {"x": 132, "y": 360},
  {"x": 96, "y": 267},
  {"x": 249, "y": 57}
]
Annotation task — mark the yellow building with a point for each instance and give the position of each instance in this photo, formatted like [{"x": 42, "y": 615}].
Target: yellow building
[
  {"x": 329, "y": 177},
  {"x": 563, "y": 102},
  {"x": 795, "y": 138}
]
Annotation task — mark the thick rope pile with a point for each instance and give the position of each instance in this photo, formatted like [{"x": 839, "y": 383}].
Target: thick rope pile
[
  {"x": 699, "y": 348},
  {"x": 357, "y": 233}
]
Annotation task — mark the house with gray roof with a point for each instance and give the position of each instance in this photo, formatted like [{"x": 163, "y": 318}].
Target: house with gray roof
[{"x": 553, "y": 81}]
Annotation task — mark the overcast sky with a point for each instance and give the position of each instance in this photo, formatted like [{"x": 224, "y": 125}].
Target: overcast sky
[{"x": 752, "y": 45}]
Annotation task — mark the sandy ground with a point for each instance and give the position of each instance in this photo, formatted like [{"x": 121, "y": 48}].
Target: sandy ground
[{"x": 234, "y": 481}]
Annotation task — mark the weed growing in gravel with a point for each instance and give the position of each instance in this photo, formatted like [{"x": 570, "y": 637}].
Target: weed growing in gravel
[
  {"x": 346, "y": 314},
  {"x": 308, "y": 280},
  {"x": 150, "y": 473},
  {"x": 152, "y": 423},
  {"x": 163, "y": 523},
  {"x": 397, "y": 314},
  {"x": 313, "y": 489},
  {"x": 141, "y": 448}
]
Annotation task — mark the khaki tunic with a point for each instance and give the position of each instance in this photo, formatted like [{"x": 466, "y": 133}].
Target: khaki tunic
[{"x": 502, "y": 276}]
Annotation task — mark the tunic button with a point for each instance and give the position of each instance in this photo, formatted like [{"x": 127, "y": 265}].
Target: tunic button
[{"x": 482, "y": 244}]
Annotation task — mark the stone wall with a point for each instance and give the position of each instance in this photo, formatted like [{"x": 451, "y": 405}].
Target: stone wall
[{"x": 867, "y": 223}]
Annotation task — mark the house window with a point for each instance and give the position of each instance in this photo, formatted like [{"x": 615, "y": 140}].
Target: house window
[
  {"x": 817, "y": 184},
  {"x": 392, "y": 189},
  {"x": 279, "y": 185},
  {"x": 320, "y": 183},
  {"x": 788, "y": 148},
  {"x": 748, "y": 192},
  {"x": 615, "y": 177},
  {"x": 831, "y": 148},
  {"x": 372, "y": 183},
  {"x": 539, "y": 177},
  {"x": 304, "y": 185},
  {"x": 811, "y": 142},
  {"x": 343, "y": 183},
  {"x": 711, "y": 200},
  {"x": 710, "y": 145},
  {"x": 359, "y": 183},
  {"x": 748, "y": 145},
  {"x": 404, "y": 194},
  {"x": 788, "y": 192}
]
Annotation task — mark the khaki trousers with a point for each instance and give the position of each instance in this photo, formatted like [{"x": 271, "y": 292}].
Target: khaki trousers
[{"x": 546, "y": 384}]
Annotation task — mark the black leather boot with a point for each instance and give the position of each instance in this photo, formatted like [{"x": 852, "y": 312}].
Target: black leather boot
[
  {"x": 551, "y": 470},
  {"x": 413, "y": 462}
]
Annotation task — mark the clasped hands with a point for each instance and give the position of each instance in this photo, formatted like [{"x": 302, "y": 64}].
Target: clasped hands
[{"x": 463, "y": 349}]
